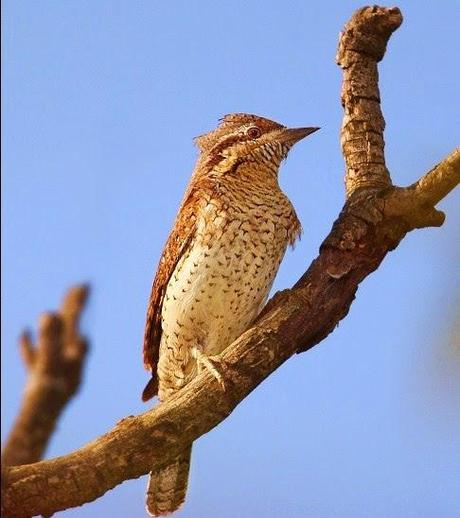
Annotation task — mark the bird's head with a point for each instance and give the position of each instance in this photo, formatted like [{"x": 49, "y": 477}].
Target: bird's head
[{"x": 248, "y": 139}]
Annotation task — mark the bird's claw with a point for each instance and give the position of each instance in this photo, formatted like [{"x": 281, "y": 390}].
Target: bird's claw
[{"x": 208, "y": 362}]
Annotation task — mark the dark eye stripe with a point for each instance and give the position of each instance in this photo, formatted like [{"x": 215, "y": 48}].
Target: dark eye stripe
[{"x": 216, "y": 152}]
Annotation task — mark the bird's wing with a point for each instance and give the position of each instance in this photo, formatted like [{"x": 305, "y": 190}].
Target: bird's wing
[{"x": 178, "y": 243}]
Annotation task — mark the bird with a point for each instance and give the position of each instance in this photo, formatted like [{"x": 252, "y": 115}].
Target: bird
[{"x": 216, "y": 270}]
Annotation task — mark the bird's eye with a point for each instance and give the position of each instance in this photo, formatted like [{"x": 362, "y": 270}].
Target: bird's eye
[{"x": 253, "y": 132}]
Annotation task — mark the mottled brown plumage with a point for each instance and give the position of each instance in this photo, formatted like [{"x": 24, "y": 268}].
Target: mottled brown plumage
[{"x": 218, "y": 264}]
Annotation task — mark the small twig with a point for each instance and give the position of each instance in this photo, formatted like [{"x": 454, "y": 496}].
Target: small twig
[
  {"x": 54, "y": 368},
  {"x": 434, "y": 186}
]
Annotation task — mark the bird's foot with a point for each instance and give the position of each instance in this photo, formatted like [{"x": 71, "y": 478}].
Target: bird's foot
[{"x": 208, "y": 362}]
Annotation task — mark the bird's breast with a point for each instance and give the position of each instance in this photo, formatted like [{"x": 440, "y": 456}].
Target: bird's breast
[{"x": 219, "y": 286}]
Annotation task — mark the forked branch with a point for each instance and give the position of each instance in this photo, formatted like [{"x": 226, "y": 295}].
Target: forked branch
[{"x": 54, "y": 369}]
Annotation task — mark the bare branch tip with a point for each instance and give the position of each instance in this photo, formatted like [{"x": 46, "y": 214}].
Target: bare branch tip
[
  {"x": 389, "y": 18},
  {"x": 367, "y": 32},
  {"x": 27, "y": 349},
  {"x": 431, "y": 218},
  {"x": 75, "y": 298}
]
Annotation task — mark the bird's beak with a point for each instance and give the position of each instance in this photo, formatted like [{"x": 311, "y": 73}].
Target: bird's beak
[{"x": 293, "y": 135}]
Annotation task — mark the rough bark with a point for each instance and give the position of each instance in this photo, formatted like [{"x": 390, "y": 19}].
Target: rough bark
[
  {"x": 362, "y": 45},
  {"x": 54, "y": 367},
  {"x": 376, "y": 216}
]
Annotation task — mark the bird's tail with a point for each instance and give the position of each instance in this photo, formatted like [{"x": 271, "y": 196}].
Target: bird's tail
[{"x": 167, "y": 487}]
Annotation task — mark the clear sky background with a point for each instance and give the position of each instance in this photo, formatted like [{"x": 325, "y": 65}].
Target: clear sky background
[{"x": 101, "y": 100}]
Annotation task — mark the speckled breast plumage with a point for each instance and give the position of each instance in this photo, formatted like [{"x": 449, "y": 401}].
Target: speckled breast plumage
[{"x": 220, "y": 285}]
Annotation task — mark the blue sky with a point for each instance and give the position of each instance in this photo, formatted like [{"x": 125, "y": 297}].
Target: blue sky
[{"x": 101, "y": 101}]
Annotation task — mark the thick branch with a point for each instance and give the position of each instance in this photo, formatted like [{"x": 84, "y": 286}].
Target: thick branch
[
  {"x": 362, "y": 44},
  {"x": 54, "y": 369}
]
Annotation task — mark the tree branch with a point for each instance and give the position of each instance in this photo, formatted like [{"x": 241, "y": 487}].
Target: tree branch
[
  {"x": 373, "y": 221},
  {"x": 415, "y": 204},
  {"x": 54, "y": 370},
  {"x": 362, "y": 44},
  {"x": 437, "y": 183}
]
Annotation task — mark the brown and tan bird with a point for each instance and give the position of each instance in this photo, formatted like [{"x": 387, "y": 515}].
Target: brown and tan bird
[{"x": 218, "y": 265}]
